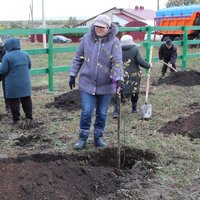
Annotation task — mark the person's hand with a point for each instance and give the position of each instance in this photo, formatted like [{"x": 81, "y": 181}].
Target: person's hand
[
  {"x": 72, "y": 82},
  {"x": 170, "y": 65}
]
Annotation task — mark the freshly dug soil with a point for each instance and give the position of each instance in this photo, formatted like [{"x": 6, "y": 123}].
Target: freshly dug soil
[
  {"x": 182, "y": 78},
  {"x": 189, "y": 126},
  {"x": 70, "y": 101},
  {"x": 73, "y": 177}
]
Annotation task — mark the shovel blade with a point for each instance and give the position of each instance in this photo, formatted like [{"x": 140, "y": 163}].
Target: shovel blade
[{"x": 146, "y": 111}]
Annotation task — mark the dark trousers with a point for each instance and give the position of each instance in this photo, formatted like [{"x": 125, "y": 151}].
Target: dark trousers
[
  {"x": 26, "y": 106},
  {"x": 164, "y": 68},
  {"x": 4, "y": 95},
  {"x": 135, "y": 97}
]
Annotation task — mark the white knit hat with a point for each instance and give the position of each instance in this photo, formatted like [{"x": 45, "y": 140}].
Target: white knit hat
[
  {"x": 102, "y": 21},
  {"x": 127, "y": 40}
]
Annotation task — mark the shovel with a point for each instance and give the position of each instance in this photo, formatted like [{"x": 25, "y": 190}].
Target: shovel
[
  {"x": 146, "y": 109},
  {"x": 168, "y": 65}
]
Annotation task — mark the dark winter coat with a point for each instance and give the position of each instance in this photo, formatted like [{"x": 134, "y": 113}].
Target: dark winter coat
[
  {"x": 97, "y": 60},
  {"x": 132, "y": 60},
  {"x": 168, "y": 55},
  {"x": 15, "y": 68}
]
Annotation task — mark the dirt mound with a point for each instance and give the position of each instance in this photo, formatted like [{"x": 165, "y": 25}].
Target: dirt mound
[
  {"x": 182, "y": 78},
  {"x": 74, "y": 177},
  {"x": 70, "y": 101},
  {"x": 188, "y": 126}
]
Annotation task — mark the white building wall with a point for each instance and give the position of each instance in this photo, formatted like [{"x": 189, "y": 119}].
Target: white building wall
[{"x": 119, "y": 20}]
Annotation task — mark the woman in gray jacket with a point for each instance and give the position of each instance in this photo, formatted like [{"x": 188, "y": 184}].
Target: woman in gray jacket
[{"x": 98, "y": 61}]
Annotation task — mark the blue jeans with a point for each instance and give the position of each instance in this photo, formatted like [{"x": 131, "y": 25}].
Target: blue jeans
[{"x": 89, "y": 103}]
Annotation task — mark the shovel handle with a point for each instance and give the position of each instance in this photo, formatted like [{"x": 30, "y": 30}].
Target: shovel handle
[
  {"x": 147, "y": 88},
  {"x": 148, "y": 76},
  {"x": 168, "y": 65}
]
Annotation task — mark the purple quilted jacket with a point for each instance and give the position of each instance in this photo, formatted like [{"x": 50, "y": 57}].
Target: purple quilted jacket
[{"x": 98, "y": 61}]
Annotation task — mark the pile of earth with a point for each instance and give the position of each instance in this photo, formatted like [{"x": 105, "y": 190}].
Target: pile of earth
[
  {"x": 182, "y": 78},
  {"x": 70, "y": 101},
  {"x": 76, "y": 177},
  {"x": 186, "y": 126}
]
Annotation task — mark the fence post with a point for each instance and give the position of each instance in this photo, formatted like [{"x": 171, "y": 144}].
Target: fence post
[
  {"x": 185, "y": 46},
  {"x": 50, "y": 61},
  {"x": 148, "y": 40}
]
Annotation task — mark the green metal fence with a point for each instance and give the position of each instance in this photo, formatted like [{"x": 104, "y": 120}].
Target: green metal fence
[{"x": 51, "y": 49}]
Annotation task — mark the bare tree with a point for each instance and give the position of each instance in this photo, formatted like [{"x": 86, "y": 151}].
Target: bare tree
[
  {"x": 72, "y": 21},
  {"x": 171, "y": 3}
]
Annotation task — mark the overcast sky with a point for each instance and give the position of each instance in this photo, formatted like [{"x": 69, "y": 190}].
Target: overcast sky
[{"x": 20, "y": 9}]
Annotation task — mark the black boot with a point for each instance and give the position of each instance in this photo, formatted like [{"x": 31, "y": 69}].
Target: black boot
[{"x": 134, "y": 108}]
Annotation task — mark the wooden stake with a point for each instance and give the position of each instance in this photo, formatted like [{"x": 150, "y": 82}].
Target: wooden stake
[{"x": 118, "y": 130}]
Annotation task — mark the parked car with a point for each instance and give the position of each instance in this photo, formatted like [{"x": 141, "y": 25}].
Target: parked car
[{"x": 61, "y": 39}]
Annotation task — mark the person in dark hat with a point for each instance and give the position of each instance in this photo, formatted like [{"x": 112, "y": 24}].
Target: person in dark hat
[{"x": 168, "y": 54}]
